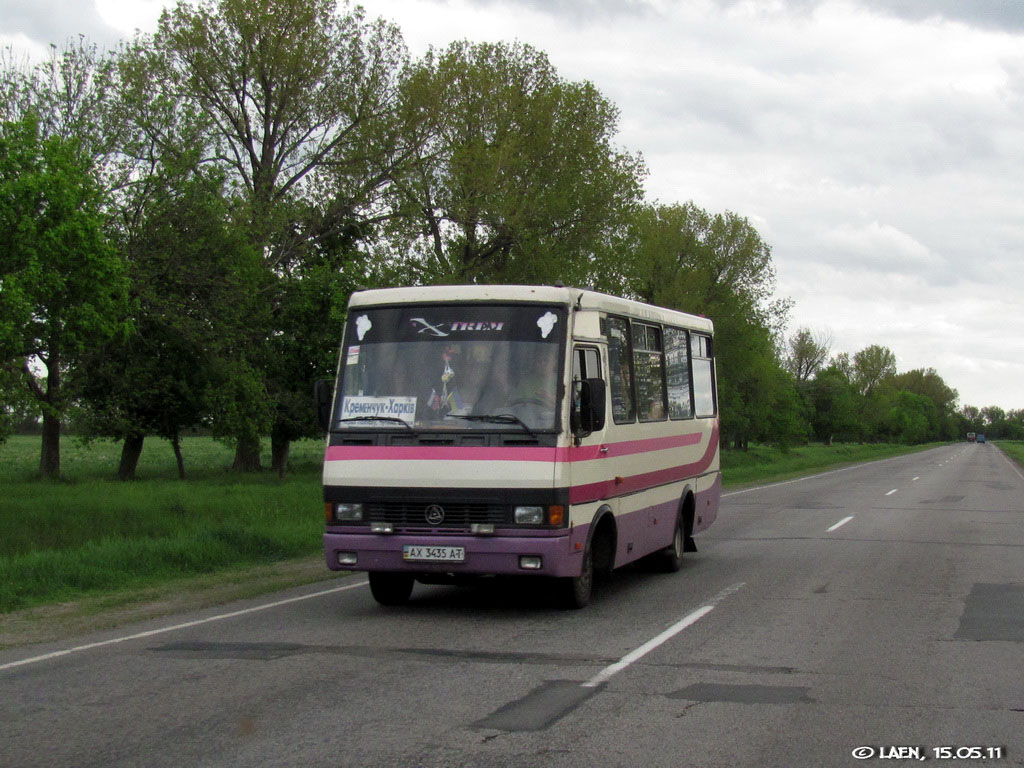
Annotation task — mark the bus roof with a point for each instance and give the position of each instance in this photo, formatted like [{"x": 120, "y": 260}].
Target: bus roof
[{"x": 541, "y": 294}]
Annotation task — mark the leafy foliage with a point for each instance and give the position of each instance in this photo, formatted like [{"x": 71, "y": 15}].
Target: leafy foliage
[
  {"x": 516, "y": 178},
  {"x": 63, "y": 286}
]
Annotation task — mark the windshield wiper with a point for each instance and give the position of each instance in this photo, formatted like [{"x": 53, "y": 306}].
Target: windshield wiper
[
  {"x": 403, "y": 422},
  {"x": 495, "y": 418}
]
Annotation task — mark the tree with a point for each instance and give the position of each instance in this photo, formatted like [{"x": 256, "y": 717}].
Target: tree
[
  {"x": 69, "y": 95},
  {"x": 995, "y": 421},
  {"x": 195, "y": 286},
  {"x": 871, "y": 366},
  {"x": 1015, "y": 425},
  {"x": 683, "y": 256},
  {"x": 62, "y": 284},
  {"x": 911, "y": 418},
  {"x": 926, "y": 382},
  {"x": 18, "y": 409},
  {"x": 308, "y": 306},
  {"x": 517, "y": 179},
  {"x": 834, "y": 406},
  {"x": 807, "y": 353},
  {"x": 717, "y": 265},
  {"x": 296, "y": 101}
]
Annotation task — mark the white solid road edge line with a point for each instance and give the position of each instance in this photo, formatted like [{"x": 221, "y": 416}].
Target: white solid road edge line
[
  {"x": 687, "y": 621},
  {"x": 840, "y": 524},
  {"x": 185, "y": 625}
]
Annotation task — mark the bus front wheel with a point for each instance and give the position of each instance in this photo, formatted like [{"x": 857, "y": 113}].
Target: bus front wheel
[
  {"x": 390, "y": 588},
  {"x": 575, "y": 591}
]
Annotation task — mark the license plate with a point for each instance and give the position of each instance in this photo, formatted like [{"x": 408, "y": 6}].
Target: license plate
[{"x": 435, "y": 554}]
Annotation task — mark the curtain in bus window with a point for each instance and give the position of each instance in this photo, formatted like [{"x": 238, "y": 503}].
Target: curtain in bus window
[
  {"x": 677, "y": 372},
  {"x": 650, "y": 384},
  {"x": 623, "y": 407}
]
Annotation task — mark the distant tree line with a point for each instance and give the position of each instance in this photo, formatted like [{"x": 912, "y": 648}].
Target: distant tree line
[
  {"x": 183, "y": 219},
  {"x": 864, "y": 398}
]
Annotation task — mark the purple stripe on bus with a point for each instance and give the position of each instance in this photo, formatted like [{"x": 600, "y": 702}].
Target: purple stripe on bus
[
  {"x": 476, "y": 453},
  {"x": 620, "y": 486}
]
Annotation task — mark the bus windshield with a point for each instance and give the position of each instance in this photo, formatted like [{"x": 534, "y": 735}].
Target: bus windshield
[{"x": 452, "y": 367}]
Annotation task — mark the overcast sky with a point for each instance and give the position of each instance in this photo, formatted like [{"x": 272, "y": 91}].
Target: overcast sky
[{"x": 877, "y": 145}]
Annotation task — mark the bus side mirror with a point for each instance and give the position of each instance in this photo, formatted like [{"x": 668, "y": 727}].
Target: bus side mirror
[
  {"x": 322, "y": 392},
  {"x": 588, "y": 407}
]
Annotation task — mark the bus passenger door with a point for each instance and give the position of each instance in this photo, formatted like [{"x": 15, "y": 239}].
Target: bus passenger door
[{"x": 589, "y": 476}]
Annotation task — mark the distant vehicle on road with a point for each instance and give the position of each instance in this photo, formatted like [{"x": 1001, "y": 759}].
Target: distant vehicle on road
[
  {"x": 971, "y": 437},
  {"x": 981, "y": 438}
]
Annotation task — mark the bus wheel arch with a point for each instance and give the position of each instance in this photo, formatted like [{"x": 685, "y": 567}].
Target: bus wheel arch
[
  {"x": 670, "y": 559},
  {"x": 603, "y": 541},
  {"x": 688, "y": 514},
  {"x": 598, "y": 557}
]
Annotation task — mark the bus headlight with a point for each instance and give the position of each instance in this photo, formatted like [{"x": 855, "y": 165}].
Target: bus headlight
[
  {"x": 348, "y": 511},
  {"x": 529, "y": 515}
]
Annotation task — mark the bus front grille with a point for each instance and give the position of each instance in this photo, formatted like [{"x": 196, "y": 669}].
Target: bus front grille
[{"x": 415, "y": 515}]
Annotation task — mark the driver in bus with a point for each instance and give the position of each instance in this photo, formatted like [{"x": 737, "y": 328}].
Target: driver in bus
[{"x": 533, "y": 393}]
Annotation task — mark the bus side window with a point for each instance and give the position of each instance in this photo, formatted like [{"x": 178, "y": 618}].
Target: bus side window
[
  {"x": 650, "y": 372},
  {"x": 703, "y": 374},
  {"x": 621, "y": 370},
  {"x": 586, "y": 364},
  {"x": 677, "y": 369}
]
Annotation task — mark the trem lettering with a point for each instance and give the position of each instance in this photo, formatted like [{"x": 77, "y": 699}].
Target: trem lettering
[
  {"x": 477, "y": 326},
  {"x": 457, "y": 326}
]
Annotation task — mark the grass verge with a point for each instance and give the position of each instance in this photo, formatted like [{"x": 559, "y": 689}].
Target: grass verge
[
  {"x": 1014, "y": 449},
  {"x": 89, "y": 534},
  {"x": 761, "y": 464},
  {"x": 96, "y": 612}
]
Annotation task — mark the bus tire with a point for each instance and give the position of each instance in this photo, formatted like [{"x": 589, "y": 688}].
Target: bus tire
[
  {"x": 575, "y": 591},
  {"x": 670, "y": 559},
  {"x": 390, "y": 588}
]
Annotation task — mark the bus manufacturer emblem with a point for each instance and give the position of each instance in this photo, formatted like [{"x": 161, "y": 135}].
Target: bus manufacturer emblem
[{"x": 434, "y": 514}]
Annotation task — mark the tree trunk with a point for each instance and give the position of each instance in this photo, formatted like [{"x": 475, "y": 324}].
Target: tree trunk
[
  {"x": 176, "y": 443},
  {"x": 49, "y": 459},
  {"x": 130, "y": 452},
  {"x": 247, "y": 455},
  {"x": 279, "y": 447}
]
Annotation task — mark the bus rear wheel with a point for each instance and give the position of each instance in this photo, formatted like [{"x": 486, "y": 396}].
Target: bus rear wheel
[
  {"x": 390, "y": 588},
  {"x": 670, "y": 559}
]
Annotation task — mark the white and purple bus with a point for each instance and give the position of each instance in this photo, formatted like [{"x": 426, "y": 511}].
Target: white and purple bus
[{"x": 517, "y": 430}]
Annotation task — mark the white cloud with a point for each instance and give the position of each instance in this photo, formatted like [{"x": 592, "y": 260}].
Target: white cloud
[
  {"x": 127, "y": 17},
  {"x": 878, "y": 248}
]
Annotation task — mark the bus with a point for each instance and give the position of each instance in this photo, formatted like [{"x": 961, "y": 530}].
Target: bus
[{"x": 506, "y": 430}]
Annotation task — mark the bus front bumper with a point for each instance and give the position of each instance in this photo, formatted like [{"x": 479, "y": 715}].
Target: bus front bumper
[{"x": 544, "y": 555}]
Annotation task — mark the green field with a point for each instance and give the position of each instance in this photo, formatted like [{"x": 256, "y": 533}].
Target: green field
[{"x": 91, "y": 535}]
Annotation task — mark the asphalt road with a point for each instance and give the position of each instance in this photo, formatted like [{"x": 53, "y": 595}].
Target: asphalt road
[{"x": 880, "y": 606}]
